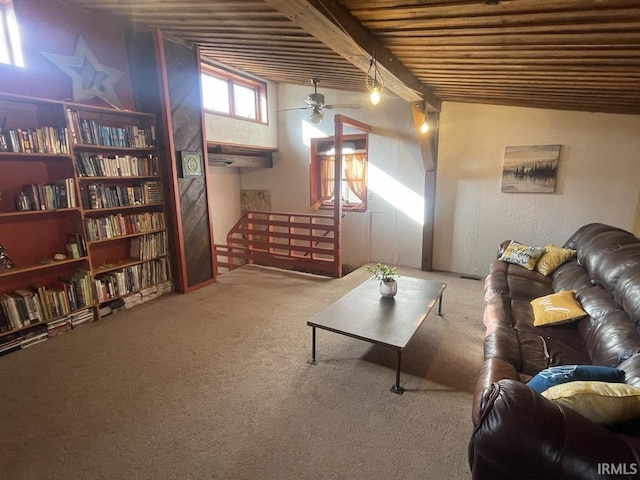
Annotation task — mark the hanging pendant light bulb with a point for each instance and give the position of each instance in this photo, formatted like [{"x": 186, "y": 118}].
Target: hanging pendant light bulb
[{"x": 374, "y": 81}]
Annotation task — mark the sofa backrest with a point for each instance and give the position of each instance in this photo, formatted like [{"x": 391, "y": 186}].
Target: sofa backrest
[
  {"x": 606, "y": 278},
  {"x": 627, "y": 294},
  {"x": 587, "y": 232}
]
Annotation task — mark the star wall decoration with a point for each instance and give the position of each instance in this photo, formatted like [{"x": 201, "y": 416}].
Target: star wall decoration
[{"x": 89, "y": 77}]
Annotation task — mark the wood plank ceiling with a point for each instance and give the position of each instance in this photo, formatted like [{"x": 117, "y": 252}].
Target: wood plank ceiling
[{"x": 561, "y": 54}]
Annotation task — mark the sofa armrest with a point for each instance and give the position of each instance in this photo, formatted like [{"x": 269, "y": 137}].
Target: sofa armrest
[
  {"x": 520, "y": 434},
  {"x": 492, "y": 371}
]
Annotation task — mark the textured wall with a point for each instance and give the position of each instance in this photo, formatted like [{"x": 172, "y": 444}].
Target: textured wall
[{"x": 598, "y": 178}]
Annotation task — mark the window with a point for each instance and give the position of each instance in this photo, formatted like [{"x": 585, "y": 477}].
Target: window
[
  {"x": 10, "y": 50},
  {"x": 354, "y": 172},
  {"x": 229, "y": 94}
]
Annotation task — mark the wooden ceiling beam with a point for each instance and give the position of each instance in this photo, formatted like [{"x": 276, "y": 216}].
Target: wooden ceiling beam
[{"x": 329, "y": 22}]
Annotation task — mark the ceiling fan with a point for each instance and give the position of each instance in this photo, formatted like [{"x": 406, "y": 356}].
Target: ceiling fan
[{"x": 315, "y": 103}]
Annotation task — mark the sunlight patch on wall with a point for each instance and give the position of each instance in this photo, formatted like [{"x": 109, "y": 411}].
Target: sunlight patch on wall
[
  {"x": 309, "y": 131},
  {"x": 397, "y": 194}
]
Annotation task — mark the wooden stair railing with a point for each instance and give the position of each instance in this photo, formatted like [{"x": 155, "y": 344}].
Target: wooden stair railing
[{"x": 304, "y": 242}]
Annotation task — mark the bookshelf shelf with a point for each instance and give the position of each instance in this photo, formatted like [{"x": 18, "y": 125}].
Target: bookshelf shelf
[
  {"x": 121, "y": 237},
  {"x": 40, "y": 266},
  {"x": 85, "y": 147},
  {"x": 28, "y": 213},
  {"x": 73, "y": 156},
  {"x": 22, "y": 156},
  {"x": 126, "y": 207},
  {"x": 119, "y": 178},
  {"x": 124, "y": 263}
]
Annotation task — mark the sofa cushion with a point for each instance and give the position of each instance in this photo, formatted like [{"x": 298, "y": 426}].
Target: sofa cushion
[
  {"x": 528, "y": 288},
  {"x": 520, "y": 254},
  {"x": 570, "y": 276},
  {"x": 601, "y": 402},
  {"x": 556, "y": 308},
  {"x": 542, "y": 347},
  {"x": 552, "y": 258},
  {"x": 552, "y": 376}
]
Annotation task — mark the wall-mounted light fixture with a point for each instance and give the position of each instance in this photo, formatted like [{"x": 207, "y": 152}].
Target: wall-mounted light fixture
[
  {"x": 424, "y": 127},
  {"x": 374, "y": 81}
]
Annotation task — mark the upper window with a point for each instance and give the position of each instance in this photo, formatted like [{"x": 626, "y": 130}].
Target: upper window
[
  {"x": 229, "y": 94},
  {"x": 10, "y": 49},
  {"x": 354, "y": 172}
]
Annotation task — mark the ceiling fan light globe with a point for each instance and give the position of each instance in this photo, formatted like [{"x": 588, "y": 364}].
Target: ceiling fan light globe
[
  {"x": 316, "y": 117},
  {"x": 424, "y": 128}
]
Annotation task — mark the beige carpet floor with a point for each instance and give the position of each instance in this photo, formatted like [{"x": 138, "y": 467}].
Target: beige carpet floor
[{"x": 217, "y": 385}]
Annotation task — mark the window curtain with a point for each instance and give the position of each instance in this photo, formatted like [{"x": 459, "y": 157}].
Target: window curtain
[
  {"x": 327, "y": 166},
  {"x": 355, "y": 172}
]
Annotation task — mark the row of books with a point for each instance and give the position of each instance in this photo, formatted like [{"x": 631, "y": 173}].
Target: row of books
[
  {"x": 116, "y": 166},
  {"x": 37, "y": 303},
  {"x": 48, "y": 196},
  {"x": 37, "y": 140},
  {"x": 118, "y": 225},
  {"x": 76, "y": 246},
  {"x": 98, "y": 195},
  {"x": 89, "y": 132},
  {"x": 131, "y": 279},
  {"x": 40, "y": 333},
  {"x": 149, "y": 246}
]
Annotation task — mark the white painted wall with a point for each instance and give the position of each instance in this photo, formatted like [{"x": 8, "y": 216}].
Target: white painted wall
[
  {"x": 598, "y": 179},
  {"x": 385, "y": 232},
  {"x": 224, "y": 189}
]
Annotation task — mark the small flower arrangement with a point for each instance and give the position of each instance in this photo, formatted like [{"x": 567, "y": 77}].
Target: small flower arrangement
[{"x": 383, "y": 273}]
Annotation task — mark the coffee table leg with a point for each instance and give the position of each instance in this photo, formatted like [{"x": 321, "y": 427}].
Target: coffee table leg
[
  {"x": 313, "y": 360},
  {"x": 397, "y": 388},
  {"x": 440, "y": 306}
]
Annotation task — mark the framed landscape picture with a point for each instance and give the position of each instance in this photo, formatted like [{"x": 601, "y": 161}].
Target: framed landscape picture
[{"x": 530, "y": 169}]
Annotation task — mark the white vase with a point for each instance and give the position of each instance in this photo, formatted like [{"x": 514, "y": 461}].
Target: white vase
[{"x": 388, "y": 289}]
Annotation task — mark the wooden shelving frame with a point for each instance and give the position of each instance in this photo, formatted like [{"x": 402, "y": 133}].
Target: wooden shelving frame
[{"x": 32, "y": 237}]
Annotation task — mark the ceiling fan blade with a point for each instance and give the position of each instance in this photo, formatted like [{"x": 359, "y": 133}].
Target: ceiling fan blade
[
  {"x": 296, "y": 108},
  {"x": 343, "y": 105}
]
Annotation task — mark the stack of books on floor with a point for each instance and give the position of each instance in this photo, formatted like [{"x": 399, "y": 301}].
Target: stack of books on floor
[
  {"x": 132, "y": 300},
  {"x": 165, "y": 287},
  {"x": 81, "y": 317},
  {"x": 62, "y": 325},
  {"x": 43, "y": 331},
  {"x": 33, "y": 336},
  {"x": 112, "y": 306},
  {"x": 9, "y": 343}
]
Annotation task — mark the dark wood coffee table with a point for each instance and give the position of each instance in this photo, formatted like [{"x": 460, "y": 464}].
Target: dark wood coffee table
[{"x": 391, "y": 322}]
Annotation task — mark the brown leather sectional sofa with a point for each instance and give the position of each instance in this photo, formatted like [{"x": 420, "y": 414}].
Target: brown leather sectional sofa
[{"x": 519, "y": 434}]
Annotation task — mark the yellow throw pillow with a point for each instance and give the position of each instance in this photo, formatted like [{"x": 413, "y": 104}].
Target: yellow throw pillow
[
  {"x": 556, "y": 308},
  {"x": 523, "y": 255},
  {"x": 602, "y": 402},
  {"x": 552, "y": 258}
]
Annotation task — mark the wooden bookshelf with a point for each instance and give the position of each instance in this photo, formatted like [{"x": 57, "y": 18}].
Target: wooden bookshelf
[{"x": 51, "y": 151}]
